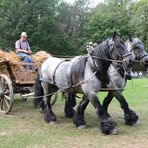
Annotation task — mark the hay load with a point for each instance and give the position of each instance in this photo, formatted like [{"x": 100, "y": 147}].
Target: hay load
[
  {"x": 9, "y": 56},
  {"x": 2, "y": 55},
  {"x": 12, "y": 57},
  {"x": 17, "y": 63},
  {"x": 40, "y": 56}
]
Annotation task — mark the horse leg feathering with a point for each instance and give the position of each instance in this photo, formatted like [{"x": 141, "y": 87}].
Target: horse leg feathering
[
  {"x": 49, "y": 116},
  {"x": 130, "y": 116},
  {"x": 107, "y": 126},
  {"x": 78, "y": 118}
]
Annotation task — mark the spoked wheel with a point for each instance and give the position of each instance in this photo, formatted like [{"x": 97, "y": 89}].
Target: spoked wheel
[
  {"x": 53, "y": 99},
  {"x": 6, "y": 94}
]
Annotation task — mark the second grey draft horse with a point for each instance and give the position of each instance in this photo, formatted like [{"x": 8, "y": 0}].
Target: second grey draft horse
[{"x": 82, "y": 76}]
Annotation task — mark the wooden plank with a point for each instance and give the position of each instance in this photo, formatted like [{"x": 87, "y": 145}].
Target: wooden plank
[{"x": 25, "y": 82}]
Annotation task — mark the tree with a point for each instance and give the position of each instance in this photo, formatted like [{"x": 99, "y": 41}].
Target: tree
[{"x": 139, "y": 21}]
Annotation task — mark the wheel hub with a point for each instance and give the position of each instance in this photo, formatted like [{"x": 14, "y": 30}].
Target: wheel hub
[{"x": 1, "y": 94}]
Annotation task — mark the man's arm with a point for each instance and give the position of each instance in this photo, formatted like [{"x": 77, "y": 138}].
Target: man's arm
[{"x": 21, "y": 50}]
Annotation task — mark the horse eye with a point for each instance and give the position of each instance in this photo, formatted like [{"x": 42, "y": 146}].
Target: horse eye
[{"x": 136, "y": 47}]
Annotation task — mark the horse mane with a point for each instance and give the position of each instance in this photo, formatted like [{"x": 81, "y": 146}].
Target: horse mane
[{"x": 102, "y": 52}]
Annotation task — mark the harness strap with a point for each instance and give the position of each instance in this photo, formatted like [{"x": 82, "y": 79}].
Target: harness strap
[
  {"x": 69, "y": 75},
  {"x": 56, "y": 70},
  {"x": 45, "y": 80}
]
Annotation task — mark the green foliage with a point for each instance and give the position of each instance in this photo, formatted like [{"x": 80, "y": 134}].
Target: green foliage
[{"x": 139, "y": 21}]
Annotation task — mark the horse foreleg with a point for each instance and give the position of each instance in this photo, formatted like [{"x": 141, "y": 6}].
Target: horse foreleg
[
  {"x": 49, "y": 116},
  {"x": 78, "y": 118},
  {"x": 131, "y": 117},
  {"x": 107, "y": 125},
  {"x": 107, "y": 100}
]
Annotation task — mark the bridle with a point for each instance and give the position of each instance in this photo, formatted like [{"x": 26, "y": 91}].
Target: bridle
[{"x": 112, "y": 48}]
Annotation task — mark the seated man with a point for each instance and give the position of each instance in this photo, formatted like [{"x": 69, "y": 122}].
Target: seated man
[{"x": 23, "y": 49}]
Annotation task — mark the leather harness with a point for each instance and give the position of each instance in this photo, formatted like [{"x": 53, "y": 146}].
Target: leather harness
[{"x": 68, "y": 75}]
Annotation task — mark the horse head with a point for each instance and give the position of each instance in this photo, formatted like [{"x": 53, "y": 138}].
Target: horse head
[
  {"x": 136, "y": 47},
  {"x": 119, "y": 50}
]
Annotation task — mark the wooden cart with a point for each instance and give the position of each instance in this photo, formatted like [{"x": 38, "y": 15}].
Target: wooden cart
[{"x": 15, "y": 78}]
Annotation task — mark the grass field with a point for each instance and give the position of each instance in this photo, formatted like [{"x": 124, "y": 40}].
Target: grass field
[{"x": 25, "y": 127}]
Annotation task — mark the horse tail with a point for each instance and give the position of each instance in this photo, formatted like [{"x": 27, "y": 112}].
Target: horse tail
[{"x": 38, "y": 92}]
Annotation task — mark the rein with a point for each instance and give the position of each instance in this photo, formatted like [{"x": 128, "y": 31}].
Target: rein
[{"x": 110, "y": 60}]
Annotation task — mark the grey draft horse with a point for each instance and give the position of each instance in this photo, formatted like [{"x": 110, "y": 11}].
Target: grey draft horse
[
  {"x": 85, "y": 75},
  {"x": 118, "y": 78}
]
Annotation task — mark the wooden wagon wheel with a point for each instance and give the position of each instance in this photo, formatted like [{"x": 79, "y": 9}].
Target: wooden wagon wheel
[{"x": 6, "y": 94}]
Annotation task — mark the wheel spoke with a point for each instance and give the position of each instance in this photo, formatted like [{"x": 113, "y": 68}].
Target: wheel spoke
[
  {"x": 8, "y": 98},
  {"x": 7, "y": 104},
  {"x": 7, "y": 92},
  {"x": 4, "y": 87},
  {"x": 1, "y": 83}
]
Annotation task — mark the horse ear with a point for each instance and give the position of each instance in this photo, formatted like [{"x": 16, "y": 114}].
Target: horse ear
[
  {"x": 130, "y": 38},
  {"x": 114, "y": 35}
]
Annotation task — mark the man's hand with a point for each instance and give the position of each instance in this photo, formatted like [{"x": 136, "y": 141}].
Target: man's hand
[
  {"x": 29, "y": 51},
  {"x": 24, "y": 51}
]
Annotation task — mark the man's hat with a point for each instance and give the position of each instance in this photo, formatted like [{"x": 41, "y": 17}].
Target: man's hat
[{"x": 24, "y": 34}]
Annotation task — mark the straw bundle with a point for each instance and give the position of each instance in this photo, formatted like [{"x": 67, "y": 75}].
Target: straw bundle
[
  {"x": 15, "y": 61},
  {"x": 12, "y": 57},
  {"x": 40, "y": 56},
  {"x": 9, "y": 56},
  {"x": 2, "y": 55}
]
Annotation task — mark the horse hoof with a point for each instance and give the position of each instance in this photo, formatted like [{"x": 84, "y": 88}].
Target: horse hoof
[
  {"x": 137, "y": 123},
  {"x": 114, "y": 132},
  {"x": 81, "y": 126},
  {"x": 53, "y": 122},
  {"x": 41, "y": 111}
]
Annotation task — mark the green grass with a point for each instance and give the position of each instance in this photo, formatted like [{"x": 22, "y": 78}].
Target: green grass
[{"x": 25, "y": 127}]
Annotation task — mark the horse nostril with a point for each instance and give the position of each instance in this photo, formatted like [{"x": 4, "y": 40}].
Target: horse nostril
[{"x": 130, "y": 60}]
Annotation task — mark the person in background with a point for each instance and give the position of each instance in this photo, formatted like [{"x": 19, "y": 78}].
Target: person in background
[
  {"x": 23, "y": 49},
  {"x": 89, "y": 47},
  {"x": 94, "y": 45},
  {"x": 140, "y": 75}
]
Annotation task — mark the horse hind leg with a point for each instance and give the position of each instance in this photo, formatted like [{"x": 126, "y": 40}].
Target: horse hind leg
[
  {"x": 70, "y": 102},
  {"x": 78, "y": 118},
  {"x": 38, "y": 92},
  {"x": 131, "y": 118},
  {"x": 49, "y": 116}
]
